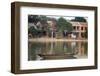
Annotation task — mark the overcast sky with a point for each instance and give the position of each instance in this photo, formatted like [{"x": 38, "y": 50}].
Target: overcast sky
[{"x": 66, "y": 17}]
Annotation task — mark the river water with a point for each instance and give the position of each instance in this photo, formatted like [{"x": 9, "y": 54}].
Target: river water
[{"x": 57, "y": 50}]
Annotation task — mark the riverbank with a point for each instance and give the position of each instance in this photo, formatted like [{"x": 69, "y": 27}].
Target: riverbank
[{"x": 55, "y": 40}]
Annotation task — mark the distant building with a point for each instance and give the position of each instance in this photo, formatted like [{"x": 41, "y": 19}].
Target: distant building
[
  {"x": 52, "y": 27},
  {"x": 79, "y": 28}
]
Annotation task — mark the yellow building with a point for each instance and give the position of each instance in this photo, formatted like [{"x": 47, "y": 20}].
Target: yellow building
[{"x": 79, "y": 28}]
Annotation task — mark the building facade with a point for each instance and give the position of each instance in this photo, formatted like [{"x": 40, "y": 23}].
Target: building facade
[{"x": 80, "y": 29}]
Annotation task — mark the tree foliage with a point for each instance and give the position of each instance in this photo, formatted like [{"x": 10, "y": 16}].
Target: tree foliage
[
  {"x": 62, "y": 25},
  {"x": 33, "y": 19},
  {"x": 32, "y": 30},
  {"x": 79, "y": 19}
]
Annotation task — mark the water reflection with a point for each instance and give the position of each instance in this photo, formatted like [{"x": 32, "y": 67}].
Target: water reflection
[{"x": 56, "y": 50}]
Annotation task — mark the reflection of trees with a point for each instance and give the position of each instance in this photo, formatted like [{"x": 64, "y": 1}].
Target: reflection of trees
[
  {"x": 82, "y": 48},
  {"x": 71, "y": 47},
  {"x": 31, "y": 52},
  {"x": 56, "y": 48},
  {"x": 35, "y": 49}
]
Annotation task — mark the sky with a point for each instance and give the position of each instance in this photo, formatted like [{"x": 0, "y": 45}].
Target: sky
[{"x": 66, "y": 17}]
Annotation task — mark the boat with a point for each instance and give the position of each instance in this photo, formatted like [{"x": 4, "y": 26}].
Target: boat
[{"x": 57, "y": 56}]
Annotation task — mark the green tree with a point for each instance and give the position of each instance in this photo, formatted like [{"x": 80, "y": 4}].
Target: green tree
[
  {"x": 32, "y": 31},
  {"x": 33, "y": 19},
  {"x": 79, "y": 19},
  {"x": 43, "y": 18},
  {"x": 63, "y": 24}
]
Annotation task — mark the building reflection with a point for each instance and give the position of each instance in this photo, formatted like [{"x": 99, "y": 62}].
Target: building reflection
[{"x": 54, "y": 49}]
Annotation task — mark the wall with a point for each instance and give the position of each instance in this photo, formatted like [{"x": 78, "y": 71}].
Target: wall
[{"x": 5, "y": 33}]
